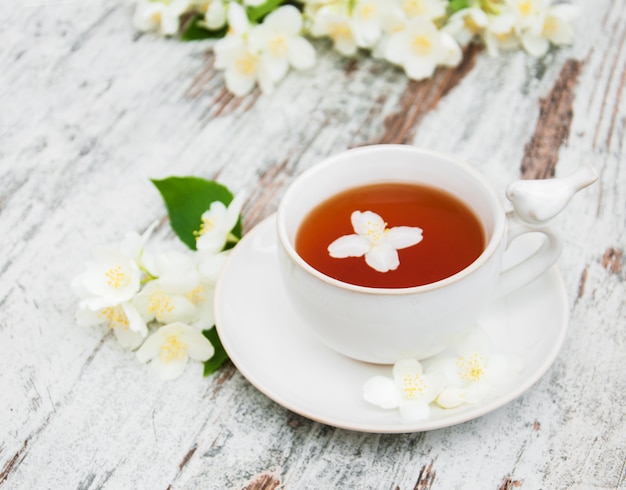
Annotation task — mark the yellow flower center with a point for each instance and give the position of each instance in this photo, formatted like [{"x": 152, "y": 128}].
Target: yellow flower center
[
  {"x": 116, "y": 278},
  {"x": 160, "y": 304},
  {"x": 471, "y": 368},
  {"x": 505, "y": 36},
  {"x": 278, "y": 46},
  {"x": 375, "y": 231},
  {"x": 471, "y": 25},
  {"x": 412, "y": 385},
  {"x": 246, "y": 64},
  {"x": 196, "y": 295},
  {"x": 368, "y": 11},
  {"x": 413, "y": 8},
  {"x": 339, "y": 30},
  {"x": 422, "y": 45},
  {"x": 173, "y": 349},
  {"x": 115, "y": 317},
  {"x": 525, "y": 7},
  {"x": 398, "y": 27},
  {"x": 207, "y": 225},
  {"x": 549, "y": 27}
]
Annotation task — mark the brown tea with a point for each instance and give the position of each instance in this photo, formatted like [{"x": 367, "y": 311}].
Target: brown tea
[{"x": 453, "y": 236}]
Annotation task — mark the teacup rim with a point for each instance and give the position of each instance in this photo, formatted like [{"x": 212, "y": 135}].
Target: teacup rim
[{"x": 490, "y": 248}]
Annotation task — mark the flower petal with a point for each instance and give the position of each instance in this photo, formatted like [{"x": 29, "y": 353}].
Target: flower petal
[
  {"x": 535, "y": 45},
  {"x": 381, "y": 391},
  {"x": 397, "y": 49},
  {"x": 414, "y": 410},
  {"x": 366, "y": 33},
  {"x": 419, "y": 68},
  {"x": 210, "y": 266},
  {"x": 128, "y": 338},
  {"x": 237, "y": 18},
  {"x": 451, "y": 397},
  {"x": 227, "y": 50},
  {"x": 198, "y": 346},
  {"x": 447, "y": 368},
  {"x": 171, "y": 369},
  {"x": 452, "y": 51},
  {"x": 400, "y": 237},
  {"x": 146, "y": 15},
  {"x": 364, "y": 222},
  {"x": 276, "y": 68},
  {"x": 382, "y": 258},
  {"x": 205, "y": 313},
  {"x": 151, "y": 348},
  {"x": 286, "y": 19},
  {"x": 349, "y": 246},
  {"x": 345, "y": 45},
  {"x": 215, "y": 16},
  {"x": 136, "y": 323},
  {"x": 478, "y": 391},
  {"x": 301, "y": 53}
]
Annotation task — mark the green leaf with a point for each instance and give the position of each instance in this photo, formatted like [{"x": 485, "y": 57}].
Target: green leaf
[
  {"x": 456, "y": 5},
  {"x": 351, "y": 4},
  {"x": 220, "y": 355},
  {"x": 195, "y": 30},
  {"x": 186, "y": 198},
  {"x": 256, "y": 14}
]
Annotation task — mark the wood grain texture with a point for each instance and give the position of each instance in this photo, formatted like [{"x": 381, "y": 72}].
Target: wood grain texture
[
  {"x": 541, "y": 153},
  {"x": 91, "y": 111}
]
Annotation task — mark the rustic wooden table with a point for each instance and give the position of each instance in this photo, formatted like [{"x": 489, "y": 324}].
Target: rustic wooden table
[{"x": 90, "y": 111}]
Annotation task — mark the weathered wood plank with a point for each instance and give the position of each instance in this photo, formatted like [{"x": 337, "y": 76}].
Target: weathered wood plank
[{"x": 91, "y": 112}]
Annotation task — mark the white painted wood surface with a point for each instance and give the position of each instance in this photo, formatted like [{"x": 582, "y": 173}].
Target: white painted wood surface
[{"x": 90, "y": 111}]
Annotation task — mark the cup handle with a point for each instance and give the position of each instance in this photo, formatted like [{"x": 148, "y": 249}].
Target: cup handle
[{"x": 533, "y": 266}]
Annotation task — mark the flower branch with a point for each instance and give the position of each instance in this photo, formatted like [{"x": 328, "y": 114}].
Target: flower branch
[
  {"x": 259, "y": 41},
  {"x": 162, "y": 303}
]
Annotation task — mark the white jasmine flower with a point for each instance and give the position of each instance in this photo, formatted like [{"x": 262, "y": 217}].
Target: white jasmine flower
[
  {"x": 420, "y": 48},
  {"x": 466, "y": 24},
  {"x": 159, "y": 15},
  {"x": 234, "y": 55},
  {"x": 154, "y": 302},
  {"x": 217, "y": 224},
  {"x": 373, "y": 239},
  {"x": 554, "y": 26},
  {"x": 473, "y": 373},
  {"x": 334, "y": 21},
  {"x": 279, "y": 41},
  {"x": 254, "y": 3},
  {"x": 112, "y": 279},
  {"x": 427, "y": 9},
  {"x": 114, "y": 276},
  {"x": 241, "y": 65},
  {"x": 170, "y": 348},
  {"x": 410, "y": 390},
  {"x": 125, "y": 321}
]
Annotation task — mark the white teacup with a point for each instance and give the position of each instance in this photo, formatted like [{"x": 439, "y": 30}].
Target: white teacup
[{"x": 382, "y": 325}]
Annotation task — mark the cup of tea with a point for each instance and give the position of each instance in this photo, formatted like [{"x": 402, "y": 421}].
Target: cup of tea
[{"x": 390, "y": 251}]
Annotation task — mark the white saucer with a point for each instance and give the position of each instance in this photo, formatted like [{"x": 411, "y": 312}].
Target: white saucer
[{"x": 271, "y": 348}]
